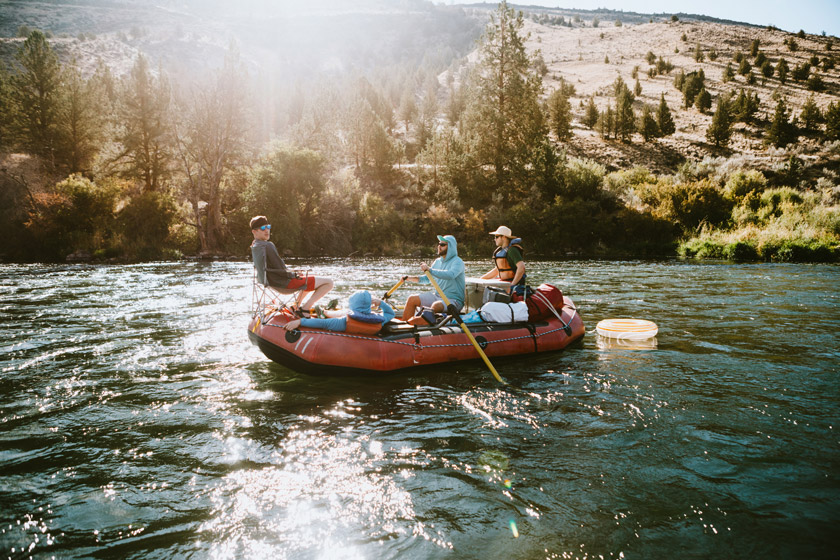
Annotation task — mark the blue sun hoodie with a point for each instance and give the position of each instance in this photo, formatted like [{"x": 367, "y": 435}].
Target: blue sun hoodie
[{"x": 449, "y": 272}]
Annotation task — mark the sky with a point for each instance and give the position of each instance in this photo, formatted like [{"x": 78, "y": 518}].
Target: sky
[{"x": 814, "y": 16}]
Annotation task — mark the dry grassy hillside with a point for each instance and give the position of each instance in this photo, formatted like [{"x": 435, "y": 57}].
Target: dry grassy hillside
[{"x": 578, "y": 56}]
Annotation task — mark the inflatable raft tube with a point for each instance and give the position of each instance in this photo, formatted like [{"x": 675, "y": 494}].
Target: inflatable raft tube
[{"x": 627, "y": 329}]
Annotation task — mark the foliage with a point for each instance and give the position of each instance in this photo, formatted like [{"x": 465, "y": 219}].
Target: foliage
[
  {"x": 781, "y": 131},
  {"x": 287, "y": 185},
  {"x": 811, "y": 116},
  {"x": 782, "y": 70},
  {"x": 664, "y": 120},
  {"x": 560, "y": 114},
  {"x": 590, "y": 117},
  {"x": 144, "y": 223},
  {"x": 504, "y": 116},
  {"x": 703, "y": 101},
  {"x": 720, "y": 131},
  {"x": 144, "y": 133},
  {"x": 688, "y": 205},
  {"x": 35, "y": 92},
  {"x": 647, "y": 125},
  {"x": 77, "y": 215},
  {"x": 832, "y": 121}
]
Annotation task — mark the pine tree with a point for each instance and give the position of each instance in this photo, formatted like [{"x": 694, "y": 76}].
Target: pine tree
[
  {"x": 767, "y": 69},
  {"x": 408, "y": 107},
  {"x": 144, "y": 115},
  {"x": 505, "y": 115},
  {"x": 606, "y": 122},
  {"x": 82, "y": 120},
  {"x": 703, "y": 102},
  {"x": 720, "y": 131},
  {"x": 560, "y": 114},
  {"x": 782, "y": 69},
  {"x": 625, "y": 118},
  {"x": 781, "y": 131},
  {"x": 647, "y": 126},
  {"x": 664, "y": 120},
  {"x": 590, "y": 117},
  {"x": 810, "y": 116},
  {"x": 728, "y": 73},
  {"x": 832, "y": 121},
  {"x": 35, "y": 91},
  {"x": 6, "y": 108}
]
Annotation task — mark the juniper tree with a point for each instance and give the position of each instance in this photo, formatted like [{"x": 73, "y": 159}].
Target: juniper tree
[
  {"x": 650, "y": 57},
  {"x": 625, "y": 118},
  {"x": 782, "y": 70},
  {"x": 811, "y": 116},
  {"x": 720, "y": 131},
  {"x": 590, "y": 115},
  {"x": 781, "y": 131},
  {"x": 744, "y": 67},
  {"x": 767, "y": 69},
  {"x": 664, "y": 120},
  {"x": 694, "y": 82},
  {"x": 703, "y": 102},
  {"x": 637, "y": 89},
  {"x": 754, "y": 47},
  {"x": 832, "y": 121},
  {"x": 606, "y": 122},
  {"x": 647, "y": 126},
  {"x": 760, "y": 59},
  {"x": 728, "y": 73}
]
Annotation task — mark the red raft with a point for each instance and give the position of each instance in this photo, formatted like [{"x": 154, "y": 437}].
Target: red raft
[{"x": 401, "y": 346}]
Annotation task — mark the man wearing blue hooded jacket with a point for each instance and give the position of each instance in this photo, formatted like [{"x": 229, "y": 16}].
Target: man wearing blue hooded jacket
[{"x": 448, "y": 270}]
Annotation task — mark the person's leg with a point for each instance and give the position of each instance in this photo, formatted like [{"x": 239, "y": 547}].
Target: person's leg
[
  {"x": 412, "y": 303},
  {"x": 322, "y": 288},
  {"x": 426, "y": 299}
]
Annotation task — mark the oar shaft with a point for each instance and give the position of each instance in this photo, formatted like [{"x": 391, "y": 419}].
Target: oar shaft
[
  {"x": 395, "y": 288},
  {"x": 466, "y": 330}
]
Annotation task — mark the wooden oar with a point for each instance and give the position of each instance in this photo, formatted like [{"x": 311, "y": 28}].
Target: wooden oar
[
  {"x": 394, "y": 289},
  {"x": 466, "y": 330}
]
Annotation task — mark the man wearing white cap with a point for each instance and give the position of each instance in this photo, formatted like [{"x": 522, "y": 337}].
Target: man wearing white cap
[{"x": 508, "y": 259}]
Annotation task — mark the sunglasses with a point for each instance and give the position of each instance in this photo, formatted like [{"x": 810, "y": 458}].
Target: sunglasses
[
  {"x": 442, "y": 244},
  {"x": 265, "y": 227}
]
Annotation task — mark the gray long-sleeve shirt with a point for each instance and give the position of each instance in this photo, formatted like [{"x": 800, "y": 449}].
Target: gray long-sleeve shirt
[{"x": 271, "y": 270}]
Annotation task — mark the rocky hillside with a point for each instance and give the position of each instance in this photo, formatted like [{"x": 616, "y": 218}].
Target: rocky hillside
[{"x": 592, "y": 58}]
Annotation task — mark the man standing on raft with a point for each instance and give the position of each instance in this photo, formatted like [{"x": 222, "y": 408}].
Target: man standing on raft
[
  {"x": 448, "y": 269},
  {"x": 508, "y": 260}
]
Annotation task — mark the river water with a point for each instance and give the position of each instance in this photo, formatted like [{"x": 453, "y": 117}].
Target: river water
[{"x": 137, "y": 421}]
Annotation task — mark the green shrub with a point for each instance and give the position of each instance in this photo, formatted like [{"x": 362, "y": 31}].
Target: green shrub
[
  {"x": 741, "y": 183},
  {"x": 144, "y": 225},
  {"x": 740, "y": 251}
]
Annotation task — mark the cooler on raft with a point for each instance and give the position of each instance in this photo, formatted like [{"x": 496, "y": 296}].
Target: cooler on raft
[{"x": 475, "y": 291}]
